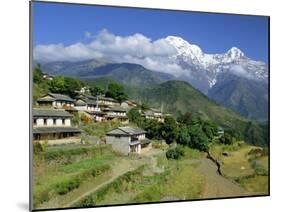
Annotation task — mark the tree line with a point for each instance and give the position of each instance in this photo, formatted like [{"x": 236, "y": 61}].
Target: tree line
[
  {"x": 187, "y": 130},
  {"x": 71, "y": 86}
]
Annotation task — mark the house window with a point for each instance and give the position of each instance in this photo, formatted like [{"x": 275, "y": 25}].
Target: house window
[
  {"x": 63, "y": 121},
  {"x": 55, "y": 122},
  {"x": 34, "y": 121},
  {"x": 45, "y": 121}
]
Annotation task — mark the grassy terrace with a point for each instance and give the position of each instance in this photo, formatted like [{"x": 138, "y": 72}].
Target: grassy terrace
[
  {"x": 246, "y": 164},
  {"x": 59, "y": 170},
  {"x": 163, "y": 181}
]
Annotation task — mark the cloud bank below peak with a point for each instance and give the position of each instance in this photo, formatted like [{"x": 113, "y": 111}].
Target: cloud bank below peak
[{"x": 137, "y": 48}]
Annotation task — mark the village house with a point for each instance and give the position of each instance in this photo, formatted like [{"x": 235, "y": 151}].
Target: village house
[
  {"x": 86, "y": 104},
  {"x": 98, "y": 116},
  {"x": 128, "y": 104},
  {"x": 128, "y": 140},
  {"x": 106, "y": 101},
  {"x": 46, "y": 76},
  {"x": 155, "y": 115},
  {"x": 84, "y": 90},
  {"x": 55, "y": 100},
  {"x": 54, "y": 126},
  {"x": 220, "y": 131},
  {"x": 116, "y": 113}
]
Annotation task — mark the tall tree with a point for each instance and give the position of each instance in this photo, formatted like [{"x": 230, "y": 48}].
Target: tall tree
[{"x": 170, "y": 130}]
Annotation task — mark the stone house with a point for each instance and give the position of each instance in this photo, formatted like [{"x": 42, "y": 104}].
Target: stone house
[
  {"x": 154, "y": 114},
  {"x": 54, "y": 126},
  {"x": 87, "y": 104},
  {"x": 107, "y": 101},
  {"x": 116, "y": 113},
  {"x": 55, "y": 100},
  {"x": 127, "y": 140}
]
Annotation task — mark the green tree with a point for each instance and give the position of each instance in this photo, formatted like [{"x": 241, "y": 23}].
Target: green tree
[
  {"x": 198, "y": 139},
  {"x": 135, "y": 117},
  {"x": 209, "y": 128},
  {"x": 37, "y": 74},
  {"x": 144, "y": 106},
  {"x": 226, "y": 139},
  {"x": 183, "y": 137},
  {"x": 116, "y": 91},
  {"x": 96, "y": 90},
  {"x": 170, "y": 130},
  {"x": 185, "y": 119},
  {"x": 153, "y": 129},
  {"x": 57, "y": 85},
  {"x": 72, "y": 86}
]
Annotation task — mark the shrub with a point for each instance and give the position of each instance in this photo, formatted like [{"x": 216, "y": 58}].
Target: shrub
[
  {"x": 67, "y": 186},
  {"x": 259, "y": 169},
  {"x": 88, "y": 202},
  {"x": 43, "y": 196},
  {"x": 175, "y": 153},
  {"x": 99, "y": 170}
]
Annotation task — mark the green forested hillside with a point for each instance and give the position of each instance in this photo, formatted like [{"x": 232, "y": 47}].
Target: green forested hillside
[{"x": 179, "y": 96}]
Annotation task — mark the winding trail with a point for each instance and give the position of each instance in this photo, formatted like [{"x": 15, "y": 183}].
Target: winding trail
[{"x": 217, "y": 185}]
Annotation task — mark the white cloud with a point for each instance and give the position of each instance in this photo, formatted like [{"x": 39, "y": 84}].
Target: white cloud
[
  {"x": 241, "y": 72},
  {"x": 135, "y": 48}
]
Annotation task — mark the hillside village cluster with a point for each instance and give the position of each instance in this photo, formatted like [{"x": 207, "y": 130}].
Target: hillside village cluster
[{"x": 53, "y": 113}]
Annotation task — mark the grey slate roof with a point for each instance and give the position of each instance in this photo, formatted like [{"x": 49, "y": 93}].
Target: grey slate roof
[
  {"x": 145, "y": 141},
  {"x": 55, "y": 96},
  {"x": 45, "y": 130},
  {"x": 80, "y": 102},
  {"x": 39, "y": 112},
  {"x": 126, "y": 131},
  {"x": 115, "y": 109}
]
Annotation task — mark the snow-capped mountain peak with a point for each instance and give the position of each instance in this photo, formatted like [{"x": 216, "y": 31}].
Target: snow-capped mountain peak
[
  {"x": 235, "y": 53},
  {"x": 200, "y": 65},
  {"x": 184, "y": 47}
]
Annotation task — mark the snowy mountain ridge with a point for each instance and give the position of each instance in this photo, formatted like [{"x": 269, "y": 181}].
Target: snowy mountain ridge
[{"x": 234, "y": 61}]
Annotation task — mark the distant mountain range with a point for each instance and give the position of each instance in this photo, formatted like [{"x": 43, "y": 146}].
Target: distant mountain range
[
  {"x": 231, "y": 79},
  {"x": 129, "y": 74}
]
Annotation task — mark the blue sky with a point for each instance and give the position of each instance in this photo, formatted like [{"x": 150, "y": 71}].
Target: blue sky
[{"x": 214, "y": 33}]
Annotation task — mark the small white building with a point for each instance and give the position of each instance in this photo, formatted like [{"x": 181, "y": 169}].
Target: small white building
[
  {"x": 52, "y": 124},
  {"x": 107, "y": 101},
  {"x": 155, "y": 115},
  {"x": 86, "y": 105},
  {"x": 55, "y": 100},
  {"x": 116, "y": 113},
  {"x": 127, "y": 140}
]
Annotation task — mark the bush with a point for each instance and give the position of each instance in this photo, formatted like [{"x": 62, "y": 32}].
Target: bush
[
  {"x": 67, "y": 186},
  {"x": 259, "y": 169},
  {"x": 43, "y": 196},
  {"x": 88, "y": 202},
  {"x": 99, "y": 170},
  {"x": 175, "y": 153}
]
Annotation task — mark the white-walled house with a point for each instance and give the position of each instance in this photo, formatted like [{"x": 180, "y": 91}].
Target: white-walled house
[
  {"x": 127, "y": 140},
  {"x": 55, "y": 100},
  {"x": 85, "y": 104},
  {"x": 53, "y": 124},
  {"x": 116, "y": 113},
  {"x": 107, "y": 101},
  {"x": 155, "y": 115}
]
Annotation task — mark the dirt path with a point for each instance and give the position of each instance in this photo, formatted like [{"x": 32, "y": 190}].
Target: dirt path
[
  {"x": 217, "y": 185},
  {"x": 118, "y": 170}
]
